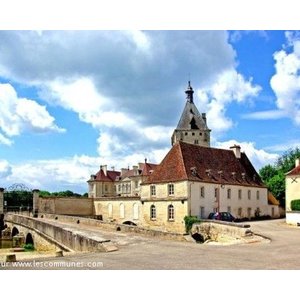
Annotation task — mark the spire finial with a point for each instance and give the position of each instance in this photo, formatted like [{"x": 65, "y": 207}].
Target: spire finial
[{"x": 189, "y": 92}]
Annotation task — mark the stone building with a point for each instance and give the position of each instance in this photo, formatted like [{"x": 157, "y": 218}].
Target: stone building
[
  {"x": 292, "y": 185},
  {"x": 192, "y": 127},
  {"x": 127, "y": 182},
  {"x": 192, "y": 179}
]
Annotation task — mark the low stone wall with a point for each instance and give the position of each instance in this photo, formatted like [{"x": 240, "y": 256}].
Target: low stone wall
[
  {"x": 293, "y": 218},
  {"x": 114, "y": 226},
  {"x": 66, "y": 206},
  {"x": 214, "y": 229},
  {"x": 71, "y": 240}
]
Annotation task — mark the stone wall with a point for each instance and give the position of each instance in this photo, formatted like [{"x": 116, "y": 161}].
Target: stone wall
[
  {"x": 215, "y": 229},
  {"x": 64, "y": 237},
  {"x": 66, "y": 206},
  {"x": 114, "y": 226}
]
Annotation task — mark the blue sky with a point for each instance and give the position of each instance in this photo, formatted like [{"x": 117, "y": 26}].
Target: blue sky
[{"x": 72, "y": 100}]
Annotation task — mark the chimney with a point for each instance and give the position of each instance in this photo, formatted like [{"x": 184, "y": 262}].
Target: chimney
[
  {"x": 237, "y": 150},
  {"x": 297, "y": 162},
  {"x": 123, "y": 171},
  {"x": 135, "y": 170},
  {"x": 104, "y": 169},
  {"x": 93, "y": 177}
]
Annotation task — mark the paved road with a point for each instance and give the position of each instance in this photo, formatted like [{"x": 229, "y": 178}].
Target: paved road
[{"x": 137, "y": 252}]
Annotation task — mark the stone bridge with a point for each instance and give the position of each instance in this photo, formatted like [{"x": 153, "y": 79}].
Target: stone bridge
[{"x": 43, "y": 233}]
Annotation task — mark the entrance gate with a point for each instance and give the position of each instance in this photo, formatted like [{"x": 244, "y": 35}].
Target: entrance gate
[{"x": 18, "y": 197}]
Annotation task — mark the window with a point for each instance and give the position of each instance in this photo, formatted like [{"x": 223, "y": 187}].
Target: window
[
  {"x": 152, "y": 190},
  {"x": 185, "y": 133},
  {"x": 152, "y": 212},
  {"x": 249, "y": 194},
  {"x": 105, "y": 187},
  {"x": 249, "y": 212},
  {"x": 136, "y": 184},
  {"x": 202, "y": 194},
  {"x": 135, "y": 211},
  {"x": 257, "y": 195},
  {"x": 196, "y": 142},
  {"x": 229, "y": 209},
  {"x": 228, "y": 193},
  {"x": 216, "y": 192},
  {"x": 240, "y": 194},
  {"x": 240, "y": 210},
  {"x": 171, "y": 212},
  {"x": 193, "y": 133},
  {"x": 202, "y": 212},
  {"x": 171, "y": 189},
  {"x": 122, "y": 211}
]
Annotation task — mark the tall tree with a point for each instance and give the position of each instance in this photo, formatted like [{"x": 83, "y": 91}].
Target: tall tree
[{"x": 274, "y": 176}]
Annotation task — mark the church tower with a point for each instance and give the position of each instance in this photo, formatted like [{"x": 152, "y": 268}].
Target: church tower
[{"x": 192, "y": 127}]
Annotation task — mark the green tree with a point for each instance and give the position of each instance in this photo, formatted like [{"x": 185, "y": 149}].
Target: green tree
[{"x": 274, "y": 176}]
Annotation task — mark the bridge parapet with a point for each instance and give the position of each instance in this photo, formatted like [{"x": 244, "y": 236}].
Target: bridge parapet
[{"x": 65, "y": 235}]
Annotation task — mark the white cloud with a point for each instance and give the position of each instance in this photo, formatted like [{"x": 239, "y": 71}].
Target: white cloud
[
  {"x": 229, "y": 86},
  {"x": 20, "y": 114},
  {"x": 258, "y": 157},
  {"x": 265, "y": 115},
  {"x": 5, "y": 141},
  {"x": 292, "y": 144},
  {"x": 5, "y": 169},
  {"x": 286, "y": 81},
  {"x": 68, "y": 173}
]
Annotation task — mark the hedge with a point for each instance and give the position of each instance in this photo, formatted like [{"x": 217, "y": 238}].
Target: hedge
[{"x": 295, "y": 204}]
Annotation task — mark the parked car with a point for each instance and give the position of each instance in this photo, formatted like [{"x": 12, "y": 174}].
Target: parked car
[{"x": 222, "y": 216}]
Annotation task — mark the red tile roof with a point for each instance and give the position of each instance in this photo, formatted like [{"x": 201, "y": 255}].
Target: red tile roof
[
  {"x": 295, "y": 171},
  {"x": 109, "y": 177},
  {"x": 147, "y": 168},
  {"x": 195, "y": 163}
]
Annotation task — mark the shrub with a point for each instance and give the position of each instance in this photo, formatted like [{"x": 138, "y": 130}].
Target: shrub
[
  {"x": 28, "y": 247},
  {"x": 295, "y": 204},
  {"x": 189, "y": 221}
]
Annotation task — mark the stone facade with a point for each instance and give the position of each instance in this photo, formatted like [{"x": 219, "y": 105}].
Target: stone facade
[
  {"x": 292, "y": 185},
  {"x": 66, "y": 206},
  {"x": 192, "y": 127}
]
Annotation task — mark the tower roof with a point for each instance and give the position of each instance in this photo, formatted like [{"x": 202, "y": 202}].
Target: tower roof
[{"x": 190, "y": 117}]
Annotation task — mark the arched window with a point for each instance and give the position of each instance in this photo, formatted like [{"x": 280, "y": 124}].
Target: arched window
[
  {"x": 152, "y": 212},
  {"x": 122, "y": 211},
  {"x": 171, "y": 212},
  {"x": 135, "y": 211}
]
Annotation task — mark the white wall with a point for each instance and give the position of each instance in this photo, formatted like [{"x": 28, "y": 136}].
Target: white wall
[{"x": 210, "y": 203}]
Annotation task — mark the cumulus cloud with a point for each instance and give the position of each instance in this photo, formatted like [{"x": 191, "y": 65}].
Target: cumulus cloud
[
  {"x": 21, "y": 114},
  {"x": 229, "y": 86},
  {"x": 258, "y": 157},
  {"x": 129, "y": 85},
  {"x": 286, "y": 81},
  {"x": 66, "y": 173},
  {"x": 5, "y": 169},
  {"x": 142, "y": 72}
]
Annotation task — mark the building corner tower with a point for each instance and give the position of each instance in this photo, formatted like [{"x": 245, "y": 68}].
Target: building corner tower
[{"x": 192, "y": 127}]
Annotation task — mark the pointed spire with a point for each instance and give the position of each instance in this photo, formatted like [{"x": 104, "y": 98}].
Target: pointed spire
[{"x": 189, "y": 93}]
